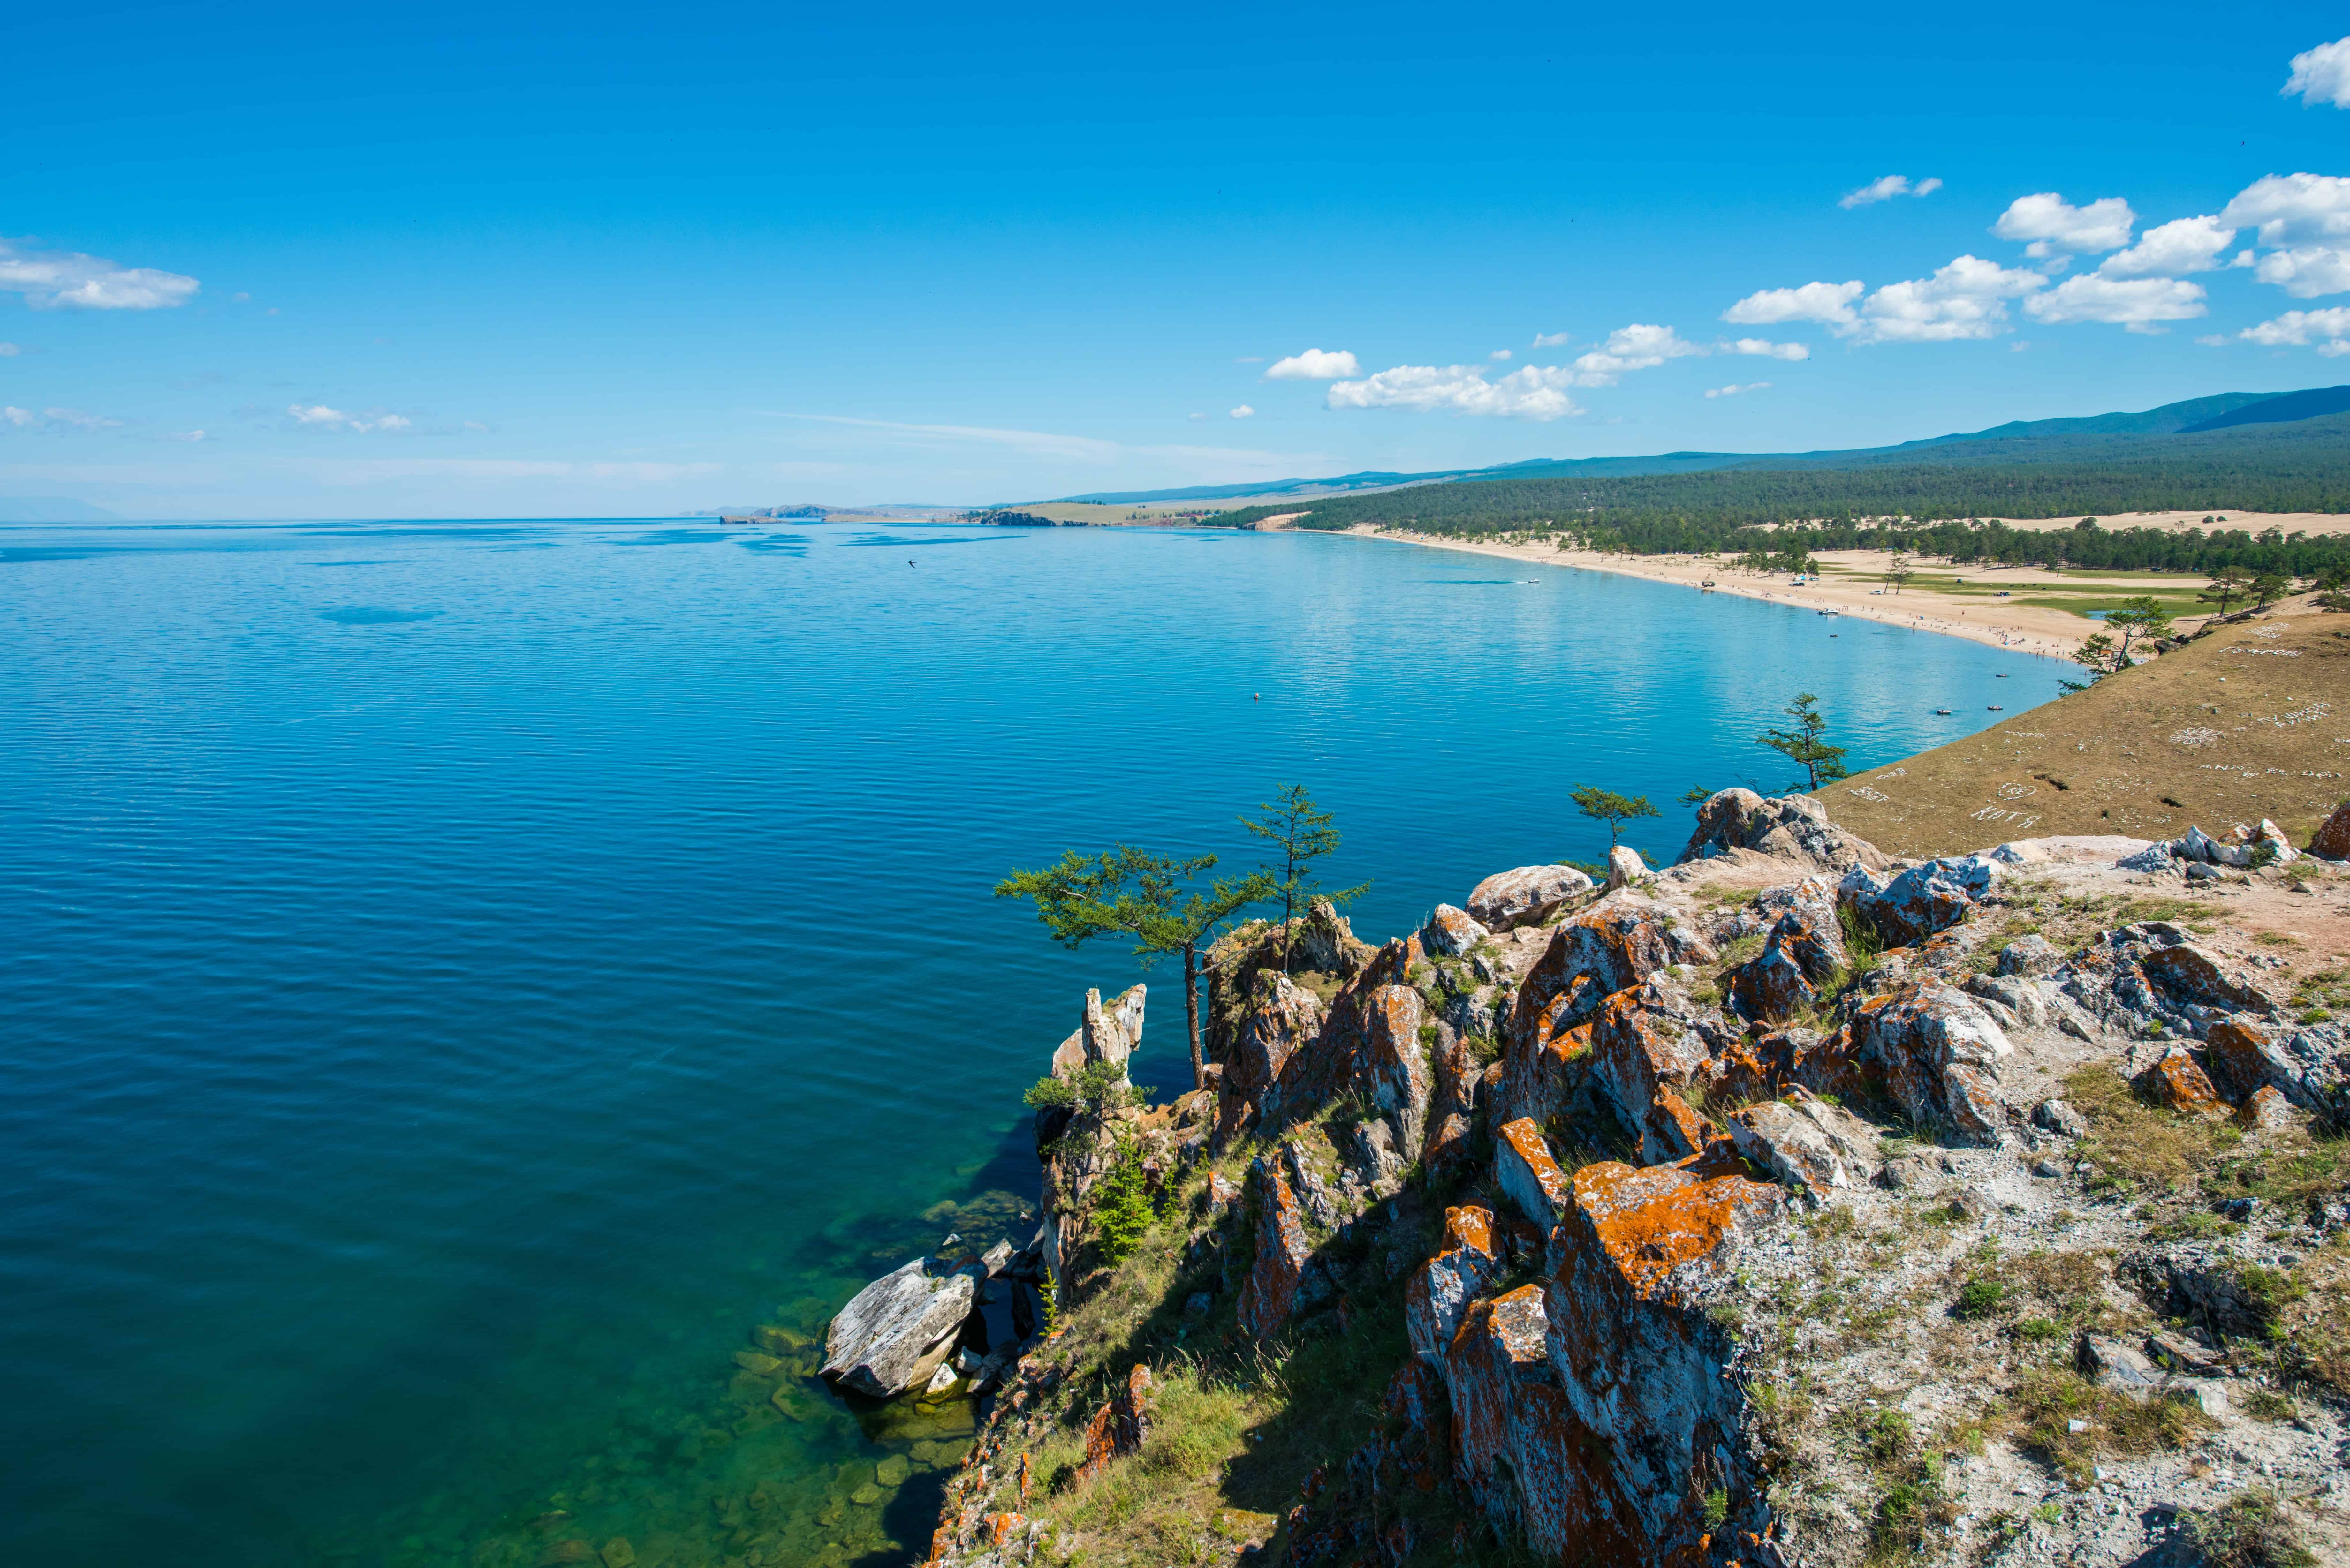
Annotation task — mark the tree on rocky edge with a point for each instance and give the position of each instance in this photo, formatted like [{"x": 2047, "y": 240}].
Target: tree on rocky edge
[
  {"x": 2228, "y": 584},
  {"x": 2142, "y": 616},
  {"x": 1127, "y": 891},
  {"x": 2096, "y": 654},
  {"x": 1302, "y": 834},
  {"x": 1614, "y": 810},
  {"x": 1806, "y": 745}
]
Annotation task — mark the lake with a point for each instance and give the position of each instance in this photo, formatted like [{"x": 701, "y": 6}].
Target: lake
[{"x": 461, "y": 978}]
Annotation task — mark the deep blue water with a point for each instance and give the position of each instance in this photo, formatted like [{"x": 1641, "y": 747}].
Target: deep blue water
[{"x": 460, "y": 978}]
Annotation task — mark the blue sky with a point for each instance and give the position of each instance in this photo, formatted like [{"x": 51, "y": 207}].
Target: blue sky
[{"x": 502, "y": 260}]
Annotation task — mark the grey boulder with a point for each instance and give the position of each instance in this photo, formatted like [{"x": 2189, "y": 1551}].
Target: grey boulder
[{"x": 895, "y": 1332}]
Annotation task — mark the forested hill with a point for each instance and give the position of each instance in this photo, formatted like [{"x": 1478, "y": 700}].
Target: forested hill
[{"x": 1936, "y": 497}]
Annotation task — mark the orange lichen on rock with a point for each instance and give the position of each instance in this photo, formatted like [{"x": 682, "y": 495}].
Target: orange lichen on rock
[
  {"x": 1526, "y": 1172},
  {"x": 1120, "y": 1427},
  {"x": 1284, "y": 1256},
  {"x": 1647, "y": 1222},
  {"x": 2176, "y": 1080},
  {"x": 1440, "y": 1291}
]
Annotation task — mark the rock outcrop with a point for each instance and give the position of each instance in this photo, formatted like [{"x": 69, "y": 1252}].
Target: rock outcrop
[
  {"x": 1789, "y": 828},
  {"x": 898, "y": 1331},
  {"x": 1526, "y": 896},
  {"x": 1631, "y": 1122}
]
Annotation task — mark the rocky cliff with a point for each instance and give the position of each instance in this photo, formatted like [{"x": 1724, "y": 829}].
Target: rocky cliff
[{"x": 1794, "y": 1205}]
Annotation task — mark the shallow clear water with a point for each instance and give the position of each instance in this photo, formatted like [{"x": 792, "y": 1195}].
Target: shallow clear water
[{"x": 460, "y": 979}]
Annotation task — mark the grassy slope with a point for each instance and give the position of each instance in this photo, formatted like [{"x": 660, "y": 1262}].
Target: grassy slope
[{"x": 2208, "y": 736}]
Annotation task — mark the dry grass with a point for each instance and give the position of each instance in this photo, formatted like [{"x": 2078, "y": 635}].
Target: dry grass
[
  {"x": 2260, "y": 733},
  {"x": 2134, "y": 1145},
  {"x": 2046, "y": 1404}
]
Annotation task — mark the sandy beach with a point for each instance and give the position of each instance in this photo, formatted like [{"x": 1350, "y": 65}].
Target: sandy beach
[{"x": 2028, "y": 629}]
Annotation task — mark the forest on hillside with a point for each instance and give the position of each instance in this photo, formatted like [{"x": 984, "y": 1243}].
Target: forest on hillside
[{"x": 1958, "y": 511}]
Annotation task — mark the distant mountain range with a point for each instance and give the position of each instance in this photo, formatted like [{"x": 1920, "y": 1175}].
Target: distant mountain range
[
  {"x": 2020, "y": 440},
  {"x": 52, "y": 509}
]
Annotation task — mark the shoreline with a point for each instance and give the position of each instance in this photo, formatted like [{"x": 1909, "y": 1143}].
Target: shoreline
[{"x": 2021, "y": 629}]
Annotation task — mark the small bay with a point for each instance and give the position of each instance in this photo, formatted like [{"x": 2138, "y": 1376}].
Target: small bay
[{"x": 463, "y": 979}]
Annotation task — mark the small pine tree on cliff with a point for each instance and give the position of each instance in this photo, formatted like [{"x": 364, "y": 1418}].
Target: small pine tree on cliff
[
  {"x": 1614, "y": 810},
  {"x": 2228, "y": 584},
  {"x": 1302, "y": 835},
  {"x": 1806, "y": 745},
  {"x": 1131, "y": 892}
]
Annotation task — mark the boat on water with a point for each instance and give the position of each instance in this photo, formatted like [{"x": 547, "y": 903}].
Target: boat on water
[
  {"x": 1832, "y": 611},
  {"x": 1996, "y": 708},
  {"x": 1942, "y": 711}
]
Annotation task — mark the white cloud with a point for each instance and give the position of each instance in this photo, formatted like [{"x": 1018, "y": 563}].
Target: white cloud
[
  {"x": 2306, "y": 271},
  {"x": 1827, "y": 303},
  {"x": 477, "y": 427},
  {"x": 2322, "y": 75},
  {"x": 1733, "y": 390},
  {"x": 1550, "y": 339},
  {"x": 2183, "y": 244},
  {"x": 2299, "y": 328},
  {"x": 1314, "y": 365},
  {"x": 1195, "y": 419},
  {"x": 1245, "y": 412},
  {"x": 1885, "y": 189},
  {"x": 1054, "y": 447},
  {"x": 319, "y": 416},
  {"x": 2055, "y": 228},
  {"x": 2305, "y": 221},
  {"x": 79, "y": 420},
  {"x": 9, "y": 350},
  {"x": 182, "y": 435},
  {"x": 1532, "y": 392},
  {"x": 2291, "y": 209},
  {"x": 2135, "y": 303},
  {"x": 1766, "y": 348},
  {"x": 1499, "y": 354},
  {"x": 20, "y": 418},
  {"x": 1962, "y": 300},
  {"x": 55, "y": 280},
  {"x": 1639, "y": 347}
]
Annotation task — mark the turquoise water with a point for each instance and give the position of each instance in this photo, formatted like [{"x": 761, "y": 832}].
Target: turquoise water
[{"x": 460, "y": 977}]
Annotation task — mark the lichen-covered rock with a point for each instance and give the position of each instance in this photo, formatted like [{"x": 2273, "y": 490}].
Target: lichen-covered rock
[
  {"x": 1516, "y": 1442},
  {"x": 1617, "y": 942},
  {"x": 1401, "y": 1080},
  {"x": 1646, "y": 1052},
  {"x": 895, "y": 1332},
  {"x": 1816, "y": 1148},
  {"x": 1451, "y": 932},
  {"x": 1929, "y": 1048},
  {"x": 2150, "y": 979},
  {"x": 1327, "y": 942},
  {"x": 1121, "y": 1427},
  {"x": 1908, "y": 908},
  {"x": 2176, "y": 1080},
  {"x": 1527, "y": 1173},
  {"x": 2265, "y": 1109},
  {"x": 1526, "y": 896},
  {"x": 1467, "y": 1261},
  {"x": 1284, "y": 1017},
  {"x": 1452, "y": 1105},
  {"x": 2247, "y": 1057},
  {"x": 1623, "y": 866},
  {"x": 1639, "y": 1361},
  {"x": 2333, "y": 839},
  {"x": 1793, "y": 827},
  {"x": 1285, "y": 1277}
]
